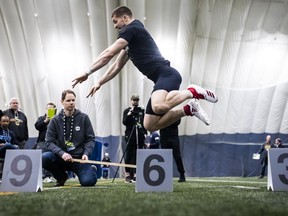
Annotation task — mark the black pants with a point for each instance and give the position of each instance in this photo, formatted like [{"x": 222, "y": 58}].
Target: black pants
[
  {"x": 173, "y": 143},
  {"x": 131, "y": 150},
  {"x": 264, "y": 164}
]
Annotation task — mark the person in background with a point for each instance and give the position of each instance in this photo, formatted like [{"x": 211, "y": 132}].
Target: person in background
[
  {"x": 154, "y": 140},
  {"x": 169, "y": 139},
  {"x": 7, "y": 140},
  {"x": 18, "y": 122},
  {"x": 41, "y": 125},
  {"x": 278, "y": 143},
  {"x": 69, "y": 136},
  {"x": 105, "y": 167},
  {"x": 7, "y": 137},
  {"x": 264, "y": 150},
  {"x": 134, "y": 135}
]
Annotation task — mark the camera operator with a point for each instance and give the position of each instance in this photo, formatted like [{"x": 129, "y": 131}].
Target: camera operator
[{"x": 133, "y": 120}]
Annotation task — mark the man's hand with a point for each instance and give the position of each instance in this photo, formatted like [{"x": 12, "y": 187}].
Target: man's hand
[
  {"x": 84, "y": 157},
  {"x": 67, "y": 157},
  {"x": 80, "y": 79},
  {"x": 46, "y": 119},
  {"x": 93, "y": 90}
]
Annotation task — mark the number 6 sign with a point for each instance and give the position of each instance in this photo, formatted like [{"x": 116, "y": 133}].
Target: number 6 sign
[
  {"x": 22, "y": 171},
  {"x": 154, "y": 170}
]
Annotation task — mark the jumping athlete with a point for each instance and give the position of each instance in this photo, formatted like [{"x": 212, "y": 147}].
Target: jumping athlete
[{"x": 135, "y": 43}]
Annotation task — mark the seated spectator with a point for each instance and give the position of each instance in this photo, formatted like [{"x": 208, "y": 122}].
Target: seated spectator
[
  {"x": 105, "y": 172},
  {"x": 154, "y": 140},
  {"x": 7, "y": 137}
]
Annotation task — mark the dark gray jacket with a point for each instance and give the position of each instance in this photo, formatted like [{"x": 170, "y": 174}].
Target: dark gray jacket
[{"x": 83, "y": 136}]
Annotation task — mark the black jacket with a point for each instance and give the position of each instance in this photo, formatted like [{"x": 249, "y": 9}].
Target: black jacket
[
  {"x": 20, "y": 127},
  {"x": 135, "y": 119},
  {"x": 83, "y": 136},
  {"x": 41, "y": 126}
]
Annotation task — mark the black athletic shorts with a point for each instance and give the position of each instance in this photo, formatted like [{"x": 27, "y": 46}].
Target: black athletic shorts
[{"x": 168, "y": 79}]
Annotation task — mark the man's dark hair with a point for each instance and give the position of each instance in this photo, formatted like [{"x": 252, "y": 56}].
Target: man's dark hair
[
  {"x": 64, "y": 93},
  {"x": 4, "y": 116},
  {"x": 51, "y": 104},
  {"x": 120, "y": 11}
]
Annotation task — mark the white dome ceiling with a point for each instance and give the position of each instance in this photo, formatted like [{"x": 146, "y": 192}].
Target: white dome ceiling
[{"x": 238, "y": 48}]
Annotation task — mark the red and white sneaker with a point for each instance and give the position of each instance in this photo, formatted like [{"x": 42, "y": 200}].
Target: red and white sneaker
[
  {"x": 193, "y": 108},
  {"x": 201, "y": 93}
]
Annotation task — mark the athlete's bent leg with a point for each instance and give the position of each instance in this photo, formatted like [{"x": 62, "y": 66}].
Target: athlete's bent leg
[
  {"x": 163, "y": 101},
  {"x": 155, "y": 122}
]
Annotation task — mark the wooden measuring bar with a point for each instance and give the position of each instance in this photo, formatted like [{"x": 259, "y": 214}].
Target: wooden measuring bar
[{"x": 104, "y": 163}]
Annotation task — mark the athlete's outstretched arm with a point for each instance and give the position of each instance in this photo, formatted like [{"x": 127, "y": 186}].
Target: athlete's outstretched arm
[
  {"x": 112, "y": 71},
  {"x": 102, "y": 60}
]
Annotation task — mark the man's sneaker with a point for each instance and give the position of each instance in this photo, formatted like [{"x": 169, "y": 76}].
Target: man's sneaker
[
  {"x": 193, "y": 108},
  {"x": 128, "y": 179},
  {"x": 61, "y": 182},
  {"x": 201, "y": 93},
  {"x": 182, "y": 178},
  {"x": 48, "y": 180}
]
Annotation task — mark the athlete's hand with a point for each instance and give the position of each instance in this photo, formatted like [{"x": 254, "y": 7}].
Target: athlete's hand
[
  {"x": 79, "y": 79},
  {"x": 93, "y": 90}
]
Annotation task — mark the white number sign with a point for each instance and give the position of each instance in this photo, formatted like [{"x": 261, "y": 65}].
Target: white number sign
[
  {"x": 154, "y": 170},
  {"x": 278, "y": 169},
  {"x": 22, "y": 171}
]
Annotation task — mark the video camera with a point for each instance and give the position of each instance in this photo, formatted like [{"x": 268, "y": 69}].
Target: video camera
[{"x": 137, "y": 113}]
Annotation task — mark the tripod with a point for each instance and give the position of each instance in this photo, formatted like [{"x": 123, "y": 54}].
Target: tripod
[{"x": 128, "y": 143}]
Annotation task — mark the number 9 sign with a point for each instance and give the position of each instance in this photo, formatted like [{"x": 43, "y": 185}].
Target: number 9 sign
[
  {"x": 22, "y": 171},
  {"x": 154, "y": 170}
]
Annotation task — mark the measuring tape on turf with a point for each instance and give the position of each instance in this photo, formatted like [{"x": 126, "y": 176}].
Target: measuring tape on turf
[{"x": 103, "y": 163}]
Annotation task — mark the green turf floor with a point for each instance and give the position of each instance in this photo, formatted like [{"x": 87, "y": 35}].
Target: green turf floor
[{"x": 198, "y": 196}]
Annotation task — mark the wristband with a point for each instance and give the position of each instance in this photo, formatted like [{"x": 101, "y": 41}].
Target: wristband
[{"x": 89, "y": 72}]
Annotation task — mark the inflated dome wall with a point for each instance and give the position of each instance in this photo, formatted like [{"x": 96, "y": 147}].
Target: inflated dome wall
[{"x": 237, "y": 48}]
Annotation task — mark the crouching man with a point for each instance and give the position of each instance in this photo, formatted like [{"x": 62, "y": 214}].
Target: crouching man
[{"x": 70, "y": 135}]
